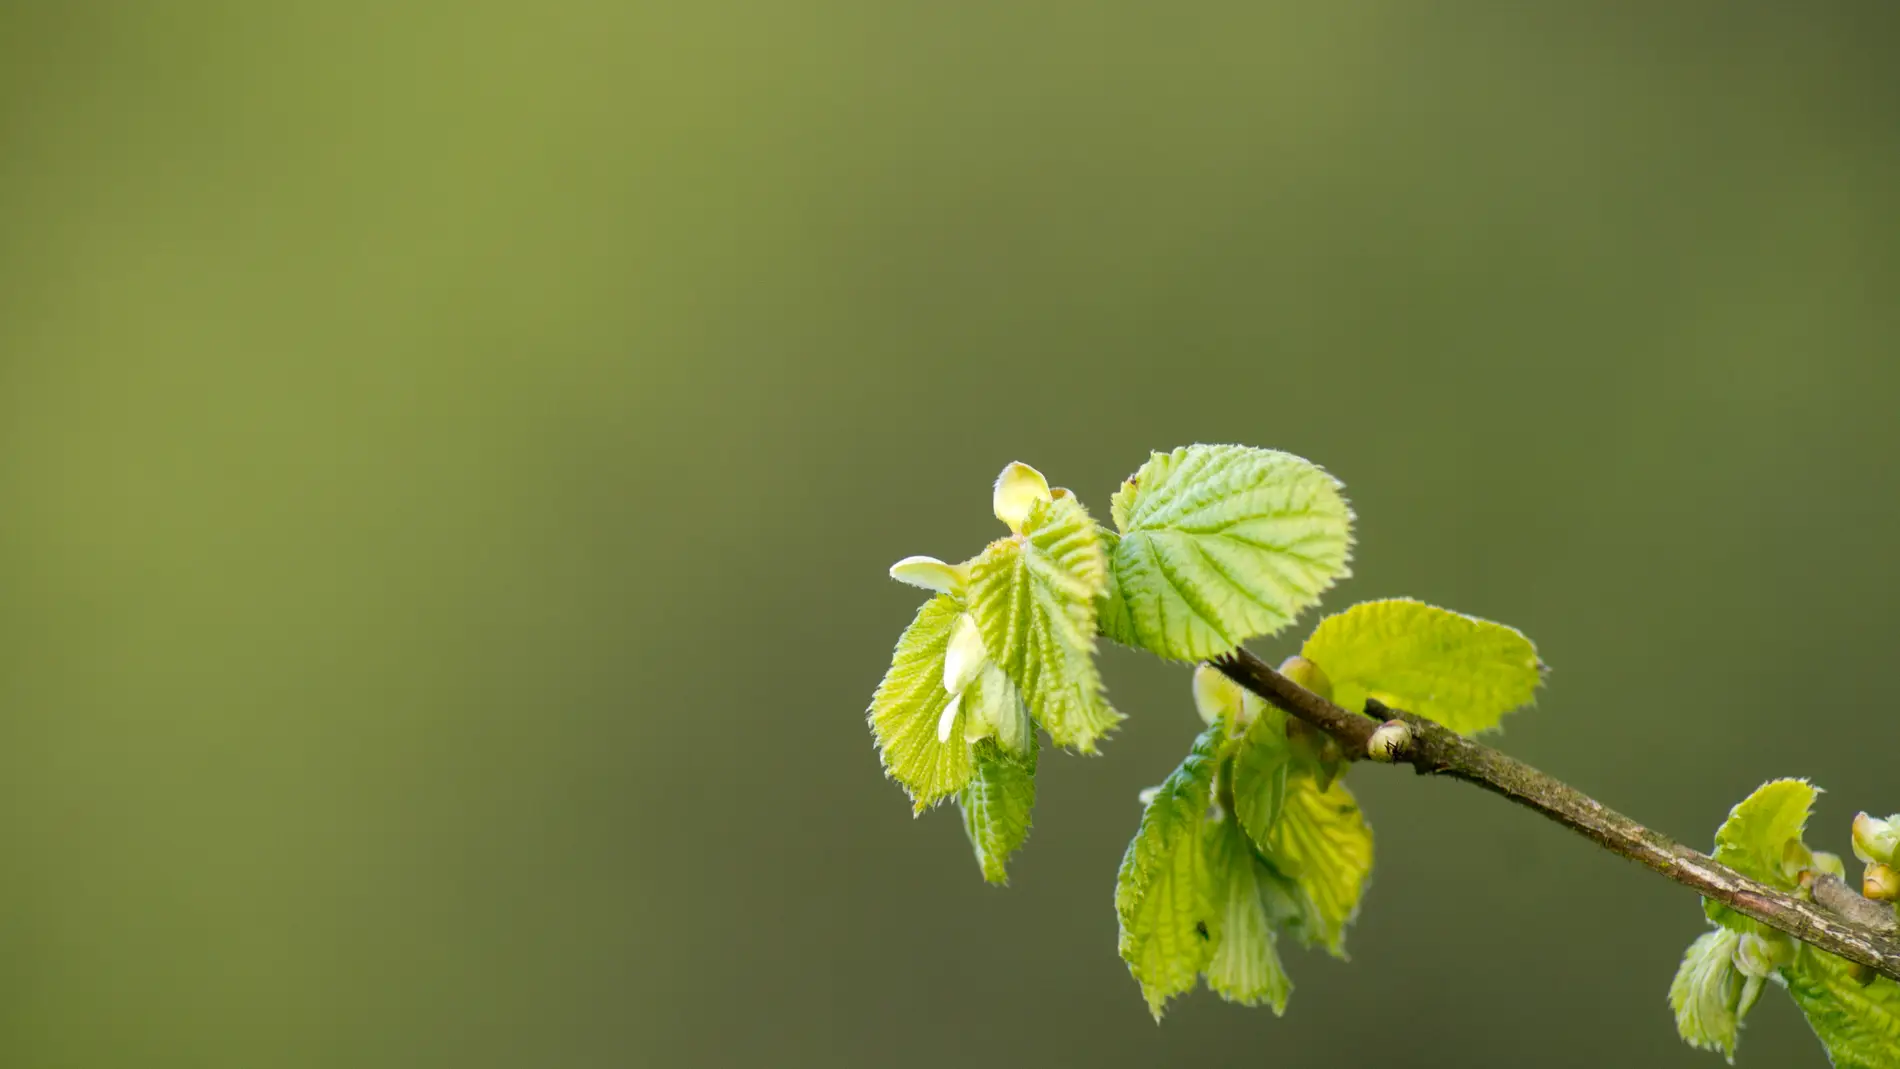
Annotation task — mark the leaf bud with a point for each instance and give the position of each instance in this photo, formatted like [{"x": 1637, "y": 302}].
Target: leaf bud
[
  {"x": 1308, "y": 675},
  {"x": 1389, "y": 741},
  {"x": 1751, "y": 991},
  {"x": 1796, "y": 858},
  {"x": 948, "y": 720},
  {"x": 1216, "y": 697},
  {"x": 1331, "y": 757},
  {"x": 1760, "y": 955},
  {"x": 1875, "y": 839},
  {"x": 1880, "y": 882},
  {"x": 964, "y": 660},
  {"x": 1018, "y": 489},
  {"x": 931, "y": 574}
]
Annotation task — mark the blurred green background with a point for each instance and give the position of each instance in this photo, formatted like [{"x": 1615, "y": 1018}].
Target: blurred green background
[{"x": 449, "y": 455}]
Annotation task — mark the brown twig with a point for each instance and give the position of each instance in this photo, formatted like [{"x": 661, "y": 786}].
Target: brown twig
[{"x": 1841, "y": 928}]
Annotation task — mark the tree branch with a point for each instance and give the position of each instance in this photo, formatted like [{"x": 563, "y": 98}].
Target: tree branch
[{"x": 1845, "y": 928}]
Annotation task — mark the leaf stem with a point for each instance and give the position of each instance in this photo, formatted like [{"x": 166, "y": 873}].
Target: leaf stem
[{"x": 1844, "y": 929}]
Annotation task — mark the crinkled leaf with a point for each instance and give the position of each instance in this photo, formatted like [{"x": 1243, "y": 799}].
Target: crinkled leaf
[
  {"x": 909, "y": 703},
  {"x": 1461, "y": 671},
  {"x": 996, "y": 805},
  {"x": 1033, "y": 597},
  {"x": 1164, "y": 895},
  {"x": 1321, "y": 843},
  {"x": 1262, "y": 762},
  {"x": 1761, "y": 839},
  {"x": 1707, "y": 992},
  {"x": 1220, "y": 543},
  {"x": 1859, "y": 1026},
  {"x": 1246, "y": 964}
]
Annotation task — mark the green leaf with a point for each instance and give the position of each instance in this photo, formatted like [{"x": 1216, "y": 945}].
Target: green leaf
[
  {"x": 1707, "y": 992},
  {"x": 1164, "y": 894},
  {"x": 1859, "y": 1026},
  {"x": 996, "y": 804},
  {"x": 1262, "y": 762},
  {"x": 910, "y": 701},
  {"x": 1321, "y": 843},
  {"x": 1460, "y": 671},
  {"x": 1761, "y": 839},
  {"x": 1246, "y": 965},
  {"x": 1033, "y": 597},
  {"x": 1755, "y": 838},
  {"x": 1220, "y": 543}
]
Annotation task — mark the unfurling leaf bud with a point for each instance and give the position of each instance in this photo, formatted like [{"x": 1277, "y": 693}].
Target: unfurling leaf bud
[
  {"x": 1796, "y": 858},
  {"x": 1750, "y": 959},
  {"x": 931, "y": 574},
  {"x": 1760, "y": 955},
  {"x": 1330, "y": 760},
  {"x": 1215, "y": 696},
  {"x": 1830, "y": 864},
  {"x": 1308, "y": 675},
  {"x": 1018, "y": 489},
  {"x": 949, "y": 718},
  {"x": 1875, "y": 839},
  {"x": 1751, "y": 991},
  {"x": 965, "y": 658},
  {"x": 1880, "y": 883},
  {"x": 1389, "y": 741}
]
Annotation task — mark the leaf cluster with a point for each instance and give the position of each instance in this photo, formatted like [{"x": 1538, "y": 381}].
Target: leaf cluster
[
  {"x": 1254, "y": 839},
  {"x": 1855, "y": 1014}
]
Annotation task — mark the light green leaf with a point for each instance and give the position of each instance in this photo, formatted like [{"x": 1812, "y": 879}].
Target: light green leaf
[
  {"x": 1321, "y": 842},
  {"x": 1164, "y": 895},
  {"x": 1754, "y": 839},
  {"x": 1220, "y": 543},
  {"x": 1033, "y": 597},
  {"x": 1707, "y": 992},
  {"x": 1761, "y": 839},
  {"x": 1859, "y": 1026},
  {"x": 996, "y": 804},
  {"x": 909, "y": 703},
  {"x": 1246, "y": 965},
  {"x": 1262, "y": 762},
  {"x": 1461, "y": 671}
]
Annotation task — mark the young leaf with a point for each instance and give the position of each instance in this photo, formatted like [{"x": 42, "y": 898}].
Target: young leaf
[
  {"x": 1859, "y": 1026},
  {"x": 1164, "y": 897},
  {"x": 1461, "y": 671},
  {"x": 996, "y": 805},
  {"x": 909, "y": 703},
  {"x": 1033, "y": 597},
  {"x": 1322, "y": 843},
  {"x": 1220, "y": 543},
  {"x": 1754, "y": 839},
  {"x": 1246, "y": 965},
  {"x": 1707, "y": 992},
  {"x": 1760, "y": 839},
  {"x": 1262, "y": 763}
]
